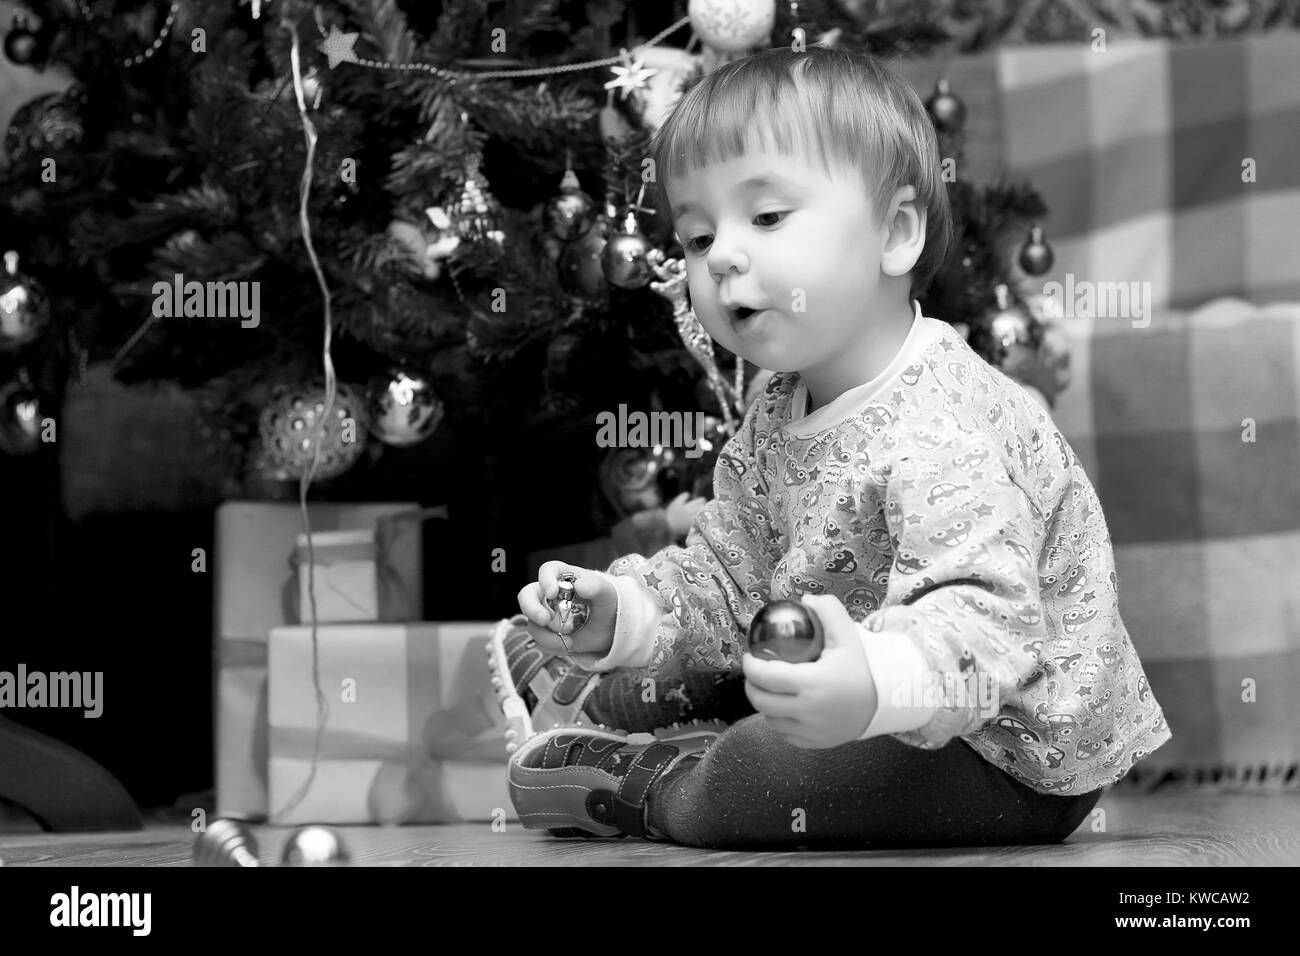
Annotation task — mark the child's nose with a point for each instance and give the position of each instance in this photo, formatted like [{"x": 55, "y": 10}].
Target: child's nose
[{"x": 727, "y": 254}]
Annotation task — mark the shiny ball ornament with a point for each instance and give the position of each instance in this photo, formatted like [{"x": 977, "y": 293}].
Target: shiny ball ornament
[
  {"x": 20, "y": 419},
  {"x": 629, "y": 479},
  {"x": 1036, "y": 256},
  {"x": 571, "y": 213},
  {"x": 1011, "y": 325},
  {"x": 785, "y": 631},
  {"x": 947, "y": 112},
  {"x": 24, "y": 307},
  {"x": 225, "y": 843},
  {"x": 581, "y": 270},
  {"x": 291, "y": 426},
  {"x": 46, "y": 124},
  {"x": 314, "y": 846},
  {"x": 22, "y": 46},
  {"x": 570, "y": 612},
  {"x": 732, "y": 26},
  {"x": 404, "y": 410},
  {"x": 623, "y": 259}
]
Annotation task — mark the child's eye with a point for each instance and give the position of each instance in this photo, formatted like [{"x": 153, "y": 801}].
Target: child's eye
[
  {"x": 762, "y": 214},
  {"x": 690, "y": 244}
]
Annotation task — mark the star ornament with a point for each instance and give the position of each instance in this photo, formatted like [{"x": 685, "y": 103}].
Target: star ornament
[
  {"x": 631, "y": 76},
  {"x": 338, "y": 47}
]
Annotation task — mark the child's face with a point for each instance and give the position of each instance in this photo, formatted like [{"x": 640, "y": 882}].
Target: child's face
[{"x": 805, "y": 249}]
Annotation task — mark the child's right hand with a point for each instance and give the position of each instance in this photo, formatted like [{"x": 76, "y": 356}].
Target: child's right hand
[{"x": 596, "y": 636}]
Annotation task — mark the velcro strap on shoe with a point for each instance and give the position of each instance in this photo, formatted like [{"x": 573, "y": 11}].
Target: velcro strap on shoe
[
  {"x": 629, "y": 802},
  {"x": 570, "y": 686}
]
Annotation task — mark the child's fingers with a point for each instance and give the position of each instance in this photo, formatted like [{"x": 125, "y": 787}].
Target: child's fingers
[
  {"x": 531, "y": 606},
  {"x": 775, "y": 677},
  {"x": 587, "y": 584},
  {"x": 548, "y": 576},
  {"x": 769, "y": 704}
]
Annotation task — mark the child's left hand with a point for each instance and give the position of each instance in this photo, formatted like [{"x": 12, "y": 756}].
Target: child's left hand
[{"x": 823, "y": 703}]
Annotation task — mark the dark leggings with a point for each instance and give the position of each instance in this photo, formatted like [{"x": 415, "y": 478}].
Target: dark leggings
[{"x": 751, "y": 788}]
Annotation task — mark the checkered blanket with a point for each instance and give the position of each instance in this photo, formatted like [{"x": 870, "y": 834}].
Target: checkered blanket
[{"x": 1187, "y": 417}]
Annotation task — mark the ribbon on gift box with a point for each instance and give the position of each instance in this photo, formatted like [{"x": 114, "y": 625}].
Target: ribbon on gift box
[{"x": 396, "y": 599}]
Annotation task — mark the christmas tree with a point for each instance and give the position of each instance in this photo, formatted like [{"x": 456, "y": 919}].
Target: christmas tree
[{"x": 426, "y": 222}]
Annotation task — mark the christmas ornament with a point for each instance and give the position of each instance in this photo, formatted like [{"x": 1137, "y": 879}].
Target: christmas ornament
[
  {"x": 623, "y": 260},
  {"x": 337, "y": 47},
  {"x": 672, "y": 71},
  {"x": 785, "y": 631},
  {"x": 1036, "y": 255},
  {"x": 291, "y": 426},
  {"x": 571, "y": 213},
  {"x": 629, "y": 479},
  {"x": 43, "y": 125},
  {"x": 22, "y": 46},
  {"x": 425, "y": 248},
  {"x": 571, "y": 612},
  {"x": 314, "y": 846},
  {"x": 1011, "y": 324},
  {"x": 20, "y": 417},
  {"x": 24, "y": 307},
  {"x": 947, "y": 112},
  {"x": 631, "y": 77},
  {"x": 225, "y": 843},
  {"x": 581, "y": 271},
  {"x": 477, "y": 216},
  {"x": 732, "y": 26},
  {"x": 404, "y": 411}
]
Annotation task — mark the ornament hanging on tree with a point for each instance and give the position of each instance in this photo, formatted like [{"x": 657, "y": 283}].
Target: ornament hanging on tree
[
  {"x": 404, "y": 410},
  {"x": 672, "y": 70},
  {"x": 22, "y": 46},
  {"x": 631, "y": 77},
  {"x": 1036, "y": 255},
  {"x": 20, "y": 417},
  {"x": 624, "y": 257},
  {"x": 45, "y": 124},
  {"x": 291, "y": 427},
  {"x": 476, "y": 217},
  {"x": 426, "y": 247},
  {"x": 24, "y": 307},
  {"x": 571, "y": 213},
  {"x": 581, "y": 272},
  {"x": 1010, "y": 325},
  {"x": 732, "y": 26},
  {"x": 947, "y": 112}
]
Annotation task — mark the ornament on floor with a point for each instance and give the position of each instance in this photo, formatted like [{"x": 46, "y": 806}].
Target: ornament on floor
[
  {"x": 785, "y": 631},
  {"x": 1036, "y": 255},
  {"x": 571, "y": 213},
  {"x": 732, "y": 26},
  {"x": 291, "y": 426},
  {"x": 314, "y": 846},
  {"x": 947, "y": 112},
  {"x": 1011, "y": 324},
  {"x": 225, "y": 842},
  {"x": 20, "y": 417},
  {"x": 581, "y": 271},
  {"x": 24, "y": 307},
  {"x": 404, "y": 410},
  {"x": 46, "y": 124},
  {"x": 22, "y": 45},
  {"x": 426, "y": 247},
  {"x": 623, "y": 260},
  {"x": 571, "y": 612}
]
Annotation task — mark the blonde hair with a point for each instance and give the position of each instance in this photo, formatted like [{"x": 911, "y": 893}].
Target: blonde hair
[{"x": 839, "y": 106}]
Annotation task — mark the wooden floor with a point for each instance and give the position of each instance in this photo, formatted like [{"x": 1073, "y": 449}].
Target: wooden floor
[{"x": 1187, "y": 829}]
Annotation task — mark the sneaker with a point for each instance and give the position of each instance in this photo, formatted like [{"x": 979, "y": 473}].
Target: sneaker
[
  {"x": 592, "y": 783},
  {"x": 542, "y": 690}
]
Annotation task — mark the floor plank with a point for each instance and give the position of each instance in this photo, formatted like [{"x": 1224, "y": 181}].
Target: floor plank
[{"x": 1188, "y": 829}]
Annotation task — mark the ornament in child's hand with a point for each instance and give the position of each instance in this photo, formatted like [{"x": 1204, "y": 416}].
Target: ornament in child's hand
[{"x": 785, "y": 631}]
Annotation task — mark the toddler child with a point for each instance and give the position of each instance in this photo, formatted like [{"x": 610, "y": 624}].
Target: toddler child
[{"x": 977, "y": 684}]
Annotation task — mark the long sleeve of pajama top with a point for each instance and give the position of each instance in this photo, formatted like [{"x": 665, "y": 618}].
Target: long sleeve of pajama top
[{"x": 945, "y": 510}]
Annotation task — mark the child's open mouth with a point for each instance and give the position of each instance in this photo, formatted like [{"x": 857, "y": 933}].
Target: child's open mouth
[{"x": 743, "y": 316}]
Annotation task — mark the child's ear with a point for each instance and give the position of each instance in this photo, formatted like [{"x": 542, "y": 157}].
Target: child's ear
[{"x": 904, "y": 233}]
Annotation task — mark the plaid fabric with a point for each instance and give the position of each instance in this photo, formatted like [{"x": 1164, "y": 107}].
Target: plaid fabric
[{"x": 1138, "y": 153}]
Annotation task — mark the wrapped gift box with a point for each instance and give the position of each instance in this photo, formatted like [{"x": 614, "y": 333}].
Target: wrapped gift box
[
  {"x": 346, "y": 577},
  {"x": 257, "y": 590},
  {"x": 414, "y": 733}
]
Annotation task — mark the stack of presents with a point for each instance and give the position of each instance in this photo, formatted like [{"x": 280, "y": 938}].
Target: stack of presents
[{"x": 405, "y": 728}]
